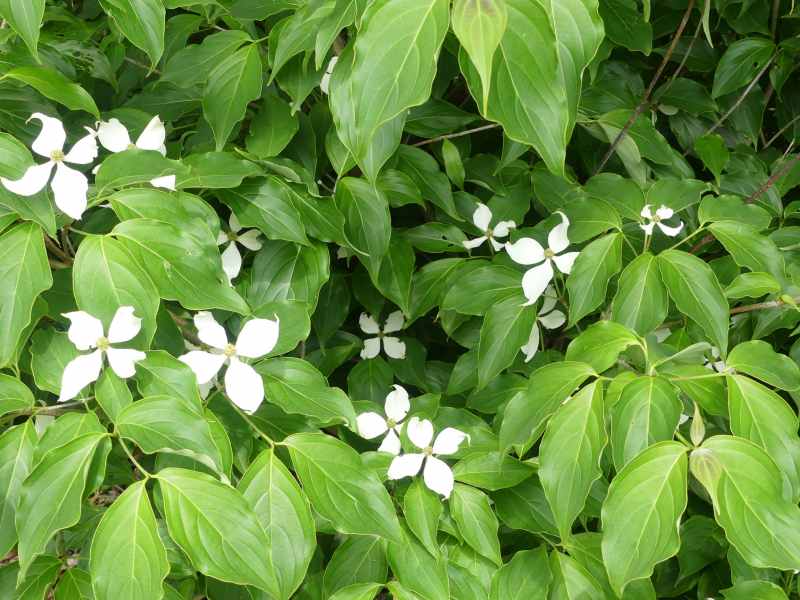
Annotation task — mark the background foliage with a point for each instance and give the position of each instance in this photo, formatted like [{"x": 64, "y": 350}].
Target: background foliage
[{"x": 631, "y": 433}]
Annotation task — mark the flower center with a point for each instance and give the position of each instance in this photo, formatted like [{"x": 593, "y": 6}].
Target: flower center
[
  {"x": 231, "y": 236},
  {"x": 428, "y": 451},
  {"x": 549, "y": 253},
  {"x": 391, "y": 423},
  {"x": 230, "y": 350},
  {"x": 57, "y": 155},
  {"x": 490, "y": 232},
  {"x": 131, "y": 146},
  {"x": 656, "y": 219},
  {"x": 102, "y": 343}
]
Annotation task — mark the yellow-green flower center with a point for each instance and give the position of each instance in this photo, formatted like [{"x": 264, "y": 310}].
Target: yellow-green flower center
[
  {"x": 57, "y": 155},
  {"x": 230, "y": 350},
  {"x": 549, "y": 253},
  {"x": 102, "y": 343},
  {"x": 428, "y": 451},
  {"x": 391, "y": 423},
  {"x": 131, "y": 147}
]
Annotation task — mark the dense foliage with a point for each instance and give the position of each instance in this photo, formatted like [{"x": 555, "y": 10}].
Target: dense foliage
[{"x": 414, "y": 299}]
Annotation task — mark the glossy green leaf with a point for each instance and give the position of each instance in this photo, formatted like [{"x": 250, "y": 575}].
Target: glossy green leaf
[
  {"x": 52, "y": 84},
  {"x": 742, "y": 60},
  {"x": 14, "y": 395},
  {"x": 422, "y": 509},
  {"x": 594, "y": 267},
  {"x": 526, "y": 575},
  {"x": 16, "y": 457},
  {"x": 476, "y": 522},
  {"x": 141, "y": 21},
  {"x": 600, "y": 345},
  {"x": 641, "y": 300},
  {"x": 506, "y": 328},
  {"x": 24, "y": 17},
  {"x": 759, "y": 359}
]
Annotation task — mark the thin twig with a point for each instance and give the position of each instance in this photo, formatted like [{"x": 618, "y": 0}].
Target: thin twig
[
  {"x": 57, "y": 250},
  {"x": 780, "y": 132},
  {"x": 686, "y": 54},
  {"x": 773, "y": 179},
  {"x": 142, "y": 65},
  {"x": 455, "y": 135},
  {"x": 762, "y": 305},
  {"x": 776, "y": 6},
  {"x": 645, "y": 102}
]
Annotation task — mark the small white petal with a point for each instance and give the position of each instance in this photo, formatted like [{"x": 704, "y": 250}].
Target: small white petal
[
  {"x": 204, "y": 364},
  {"x": 244, "y": 386},
  {"x": 548, "y": 300},
  {"x": 397, "y": 404},
  {"x": 553, "y": 319},
  {"x": 390, "y": 444},
  {"x": 503, "y": 228},
  {"x": 536, "y": 280},
  {"x": 531, "y": 347},
  {"x": 557, "y": 239},
  {"x": 670, "y": 231},
  {"x": 482, "y": 217},
  {"x": 371, "y": 425},
  {"x": 475, "y": 243},
  {"x": 525, "y": 251},
  {"x": 123, "y": 361},
  {"x": 113, "y": 136},
  {"x": 496, "y": 245},
  {"x": 32, "y": 182},
  {"x": 664, "y": 212},
  {"x": 124, "y": 326},
  {"x": 50, "y": 138},
  {"x": 234, "y": 224},
  {"x": 394, "y": 322},
  {"x": 406, "y": 465},
  {"x": 84, "y": 151},
  {"x": 152, "y": 138},
  {"x": 565, "y": 261},
  {"x": 84, "y": 329},
  {"x": 420, "y": 432},
  {"x": 448, "y": 441},
  {"x": 166, "y": 182},
  {"x": 438, "y": 476},
  {"x": 394, "y": 348},
  {"x": 69, "y": 191},
  {"x": 231, "y": 261},
  {"x": 258, "y": 337},
  {"x": 326, "y": 77},
  {"x": 80, "y": 372},
  {"x": 222, "y": 238},
  {"x": 249, "y": 239},
  {"x": 209, "y": 331},
  {"x": 646, "y": 212},
  {"x": 372, "y": 347},
  {"x": 648, "y": 227},
  {"x": 368, "y": 324}
]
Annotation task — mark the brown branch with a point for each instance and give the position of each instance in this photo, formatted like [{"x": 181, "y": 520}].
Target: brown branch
[
  {"x": 780, "y": 132},
  {"x": 645, "y": 101},
  {"x": 763, "y": 305},
  {"x": 455, "y": 135}
]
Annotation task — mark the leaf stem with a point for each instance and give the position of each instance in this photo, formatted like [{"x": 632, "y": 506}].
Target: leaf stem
[
  {"x": 459, "y": 134},
  {"x": 255, "y": 427},
  {"x": 687, "y": 238},
  {"x": 147, "y": 474}
]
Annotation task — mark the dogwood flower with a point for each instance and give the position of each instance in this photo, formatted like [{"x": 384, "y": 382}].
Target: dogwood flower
[
  {"x": 392, "y": 346},
  {"x": 437, "y": 474},
  {"x": 242, "y": 384},
  {"x": 69, "y": 186},
  {"x": 549, "y": 317},
  {"x": 661, "y": 214},
  {"x": 716, "y": 364},
  {"x": 231, "y": 257},
  {"x": 527, "y": 251},
  {"x": 115, "y": 138},
  {"x": 86, "y": 332},
  {"x": 372, "y": 424},
  {"x": 482, "y": 218}
]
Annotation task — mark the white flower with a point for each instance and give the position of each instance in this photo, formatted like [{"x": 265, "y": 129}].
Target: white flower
[
  {"x": 715, "y": 365},
  {"x": 231, "y": 257},
  {"x": 652, "y": 220},
  {"x": 326, "y": 77},
  {"x": 372, "y": 424},
  {"x": 549, "y": 317},
  {"x": 482, "y": 218},
  {"x": 69, "y": 186},
  {"x": 436, "y": 474},
  {"x": 86, "y": 332},
  {"x": 115, "y": 138},
  {"x": 393, "y": 347},
  {"x": 242, "y": 384},
  {"x": 527, "y": 251}
]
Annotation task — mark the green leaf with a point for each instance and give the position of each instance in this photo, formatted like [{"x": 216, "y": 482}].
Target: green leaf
[
  {"x": 272, "y": 129},
  {"x": 491, "y": 470},
  {"x": 299, "y": 388},
  {"x": 51, "y": 351},
  {"x": 569, "y": 455},
  {"x": 39, "y": 579},
  {"x": 232, "y": 84},
  {"x": 358, "y": 559},
  {"x": 367, "y": 222},
  {"x": 476, "y": 521},
  {"x": 25, "y": 273},
  {"x": 481, "y": 286},
  {"x": 340, "y": 488},
  {"x": 284, "y": 513},
  {"x": 641, "y": 302},
  {"x": 422, "y": 509},
  {"x": 162, "y": 374},
  {"x": 713, "y": 152},
  {"x": 216, "y": 170},
  {"x": 396, "y": 271},
  {"x": 25, "y": 18},
  {"x": 595, "y": 266},
  {"x": 16, "y": 460},
  {"x": 479, "y": 27},
  {"x": 417, "y": 570},
  {"x": 358, "y": 591},
  {"x": 75, "y": 584},
  {"x": 14, "y": 395},
  {"x": 135, "y": 166},
  {"x": 600, "y": 345},
  {"x": 647, "y": 412},
  {"x": 749, "y": 249},
  {"x": 217, "y": 529},
  {"x": 742, "y": 61},
  {"x": 105, "y": 276},
  {"x": 506, "y": 328},
  {"x": 15, "y": 158},
  {"x": 526, "y": 575},
  {"x": 52, "y": 84},
  {"x": 112, "y": 393},
  {"x": 525, "y": 507},
  {"x": 128, "y": 560},
  {"x": 142, "y": 22},
  {"x": 64, "y": 429},
  {"x": 191, "y": 65},
  {"x": 625, "y": 26},
  {"x": 759, "y": 359},
  {"x": 697, "y": 293},
  {"x": 642, "y": 510},
  {"x": 52, "y": 495},
  {"x": 571, "y": 579},
  {"x": 752, "y": 285},
  {"x": 754, "y": 590}
]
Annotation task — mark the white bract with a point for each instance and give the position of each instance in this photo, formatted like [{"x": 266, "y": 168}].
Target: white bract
[
  {"x": 372, "y": 424},
  {"x": 86, "y": 332},
  {"x": 549, "y": 317},
  {"x": 326, "y": 77},
  {"x": 69, "y": 186},
  {"x": 482, "y": 219},
  {"x": 437, "y": 474},
  {"x": 242, "y": 384},
  {"x": 527, "y": 251},
  {"x": 115, "y": 138},
  {"x": 392, "y": 346},
  {"x": 660, "y": 215},
  {"x": 231, "y": 257}
]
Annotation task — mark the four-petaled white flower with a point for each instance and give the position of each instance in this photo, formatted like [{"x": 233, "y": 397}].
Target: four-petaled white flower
[
  {"x": 393, "y": 347},
  {"x": 549, "y": 317},
  {"x": 69, "y": 186},
  {"x": 436, "y": 473},
  {"x": 115, "y": 138},
  {"x": 372, "y": 424},
  {"x": 86, "y": 332},
  {"x": 661, "y": 214},
  {"x": 231, "y": 257},
  {"x": 527, "y": 251},
  {"x": 242, "y": 384},
  {"x": 482, "y": 218}
]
